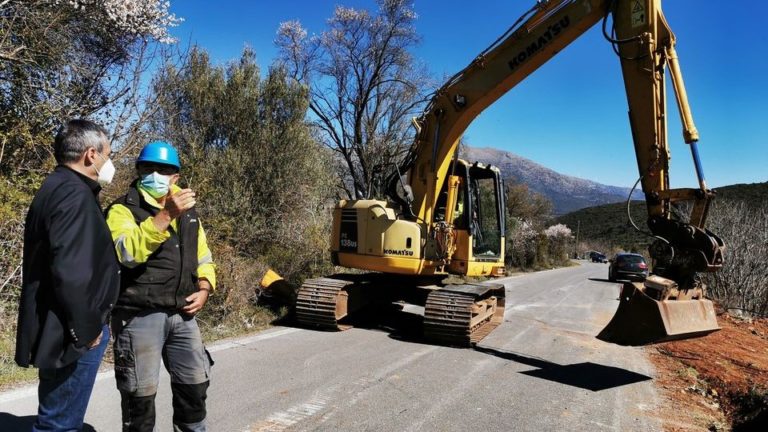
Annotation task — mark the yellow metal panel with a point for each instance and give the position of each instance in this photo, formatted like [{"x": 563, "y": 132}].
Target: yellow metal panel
[
  {"x": 480, "y": 268},
  {"x": 399, "y": 265},
  {"x": 396, "y": 239}
]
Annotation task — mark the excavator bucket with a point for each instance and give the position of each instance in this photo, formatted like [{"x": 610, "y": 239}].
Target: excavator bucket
[
  {"x": 275, "y": 290},
  {"x": 270, "y": 277},
  {"x": 641, "y": 320}
]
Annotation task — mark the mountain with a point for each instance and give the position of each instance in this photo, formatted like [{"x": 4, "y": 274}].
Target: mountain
[{"x": 567, "y": 193}]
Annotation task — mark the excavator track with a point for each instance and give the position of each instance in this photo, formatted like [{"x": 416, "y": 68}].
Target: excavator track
[
  {"x": 456, "y": 315},
  {"x": 322, "y": 302},
  {"x": 462, "y": 315}
]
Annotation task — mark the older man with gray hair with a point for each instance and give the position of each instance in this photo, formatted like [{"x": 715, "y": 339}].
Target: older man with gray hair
[{"x": 71, "y": 278}]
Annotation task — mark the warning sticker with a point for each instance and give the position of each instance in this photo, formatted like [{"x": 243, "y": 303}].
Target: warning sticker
[{"x": 638, "y": 13}]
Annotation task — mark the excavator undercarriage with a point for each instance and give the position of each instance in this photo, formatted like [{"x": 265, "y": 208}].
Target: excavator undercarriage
[{"x": 455, "y": 315}]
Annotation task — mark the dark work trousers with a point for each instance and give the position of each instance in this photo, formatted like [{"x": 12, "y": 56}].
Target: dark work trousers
[{"x": 141, "y": 340}]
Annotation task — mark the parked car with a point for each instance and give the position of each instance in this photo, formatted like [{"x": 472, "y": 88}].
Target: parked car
[
  {"x": 627, "y": 266},
  {"x": 597, "y": 257}
]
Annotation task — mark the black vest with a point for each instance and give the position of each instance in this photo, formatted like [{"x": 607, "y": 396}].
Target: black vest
[{"x": 170, "y": 273}]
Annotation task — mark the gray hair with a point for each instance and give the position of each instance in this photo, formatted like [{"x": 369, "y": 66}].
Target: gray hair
[{"x": 75, "y": 137}]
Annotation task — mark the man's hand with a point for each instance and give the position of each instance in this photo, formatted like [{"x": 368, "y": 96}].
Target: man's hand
[
  {"x": 94, "y": 343},
  {"x": 179, "y": 202},
  {"x": 174, "y": 206},
  {"x": 196, "y": 301}
]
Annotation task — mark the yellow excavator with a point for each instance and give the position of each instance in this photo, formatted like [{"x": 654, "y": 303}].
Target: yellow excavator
[{"x": 445, "y": 215}]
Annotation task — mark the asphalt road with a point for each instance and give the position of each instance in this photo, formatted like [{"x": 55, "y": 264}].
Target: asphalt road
[{"x": 542, "y": 370}]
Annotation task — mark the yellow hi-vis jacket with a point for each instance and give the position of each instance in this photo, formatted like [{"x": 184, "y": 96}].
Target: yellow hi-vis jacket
[{"x": 134, "y": 243}]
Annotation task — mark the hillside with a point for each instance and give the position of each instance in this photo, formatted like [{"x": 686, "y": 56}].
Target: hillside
[
  {"x": 567, "y": 193},
  {"x": 751, "y": 192},
  {"x": 609, "y": 222}
]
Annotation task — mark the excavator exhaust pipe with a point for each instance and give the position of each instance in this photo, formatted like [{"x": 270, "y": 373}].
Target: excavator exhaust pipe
[{"x": 641, "y": 319}]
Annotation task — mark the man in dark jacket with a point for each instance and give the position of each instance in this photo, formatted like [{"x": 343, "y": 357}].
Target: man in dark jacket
[{"x": 71, "y": 277}]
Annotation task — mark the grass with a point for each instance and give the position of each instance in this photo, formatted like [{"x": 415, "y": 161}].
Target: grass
[
  {"x": 11, "y": 374},
  {"x": 246, "y": 320}
]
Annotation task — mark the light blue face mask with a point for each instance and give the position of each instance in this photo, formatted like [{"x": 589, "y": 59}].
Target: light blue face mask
[{"x": 156, "y": 185}]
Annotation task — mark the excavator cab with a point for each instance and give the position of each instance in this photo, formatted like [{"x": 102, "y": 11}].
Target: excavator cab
[
  {"x": 472, "y": 202},
  {"x": 478, "y": 208},
  {"x": 486, "y": 212}
]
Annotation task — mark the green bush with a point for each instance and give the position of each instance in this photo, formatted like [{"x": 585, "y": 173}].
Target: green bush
[{"x": 15, "y": 195}]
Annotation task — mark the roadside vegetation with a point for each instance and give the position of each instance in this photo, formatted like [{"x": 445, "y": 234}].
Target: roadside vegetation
[
  {"x": 534, "y": 240},
  {"x": 738, "y": 216}
]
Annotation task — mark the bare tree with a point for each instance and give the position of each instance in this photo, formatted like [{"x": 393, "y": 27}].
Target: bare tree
[
  {"x": 32, "y": 31},
  {"x": 71, "y": 58},
  {"x": 129, "y": 117},
  {"x": 364, "y": 88},
  {"x": 742, "y": 283}
]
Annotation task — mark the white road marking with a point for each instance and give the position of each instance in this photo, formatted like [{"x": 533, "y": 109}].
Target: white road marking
[
  {"x": 251, "y": 339},
  {"x": 31, "y": 390},
  {"x": 282, "y": 420}
]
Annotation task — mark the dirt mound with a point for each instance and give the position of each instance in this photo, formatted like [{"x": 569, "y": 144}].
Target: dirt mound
[{"x": 718, "y": 382}]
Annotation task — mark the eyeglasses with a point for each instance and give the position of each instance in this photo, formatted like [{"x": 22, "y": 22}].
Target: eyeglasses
[{"x": 147, "y": 168}]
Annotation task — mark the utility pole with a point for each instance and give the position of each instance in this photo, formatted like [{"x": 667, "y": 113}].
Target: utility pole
[{"x": 576, "y": 246}]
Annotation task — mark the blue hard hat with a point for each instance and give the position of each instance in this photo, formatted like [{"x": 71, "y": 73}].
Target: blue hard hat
[{"x": 159, "y": 152}]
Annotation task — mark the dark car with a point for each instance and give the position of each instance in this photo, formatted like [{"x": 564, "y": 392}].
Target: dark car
[
  {"x": 597, "y": 257},
  {"x": 627, "y": 266}
]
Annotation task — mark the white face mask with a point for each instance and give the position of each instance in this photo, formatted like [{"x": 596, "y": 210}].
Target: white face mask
[{"x": 106, "y": 173}]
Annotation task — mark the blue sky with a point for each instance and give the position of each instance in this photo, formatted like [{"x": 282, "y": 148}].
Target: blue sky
[{"x": 571, "y": 114}]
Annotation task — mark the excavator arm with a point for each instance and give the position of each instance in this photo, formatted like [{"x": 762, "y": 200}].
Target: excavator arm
[{"x": 646, "y": 47}]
